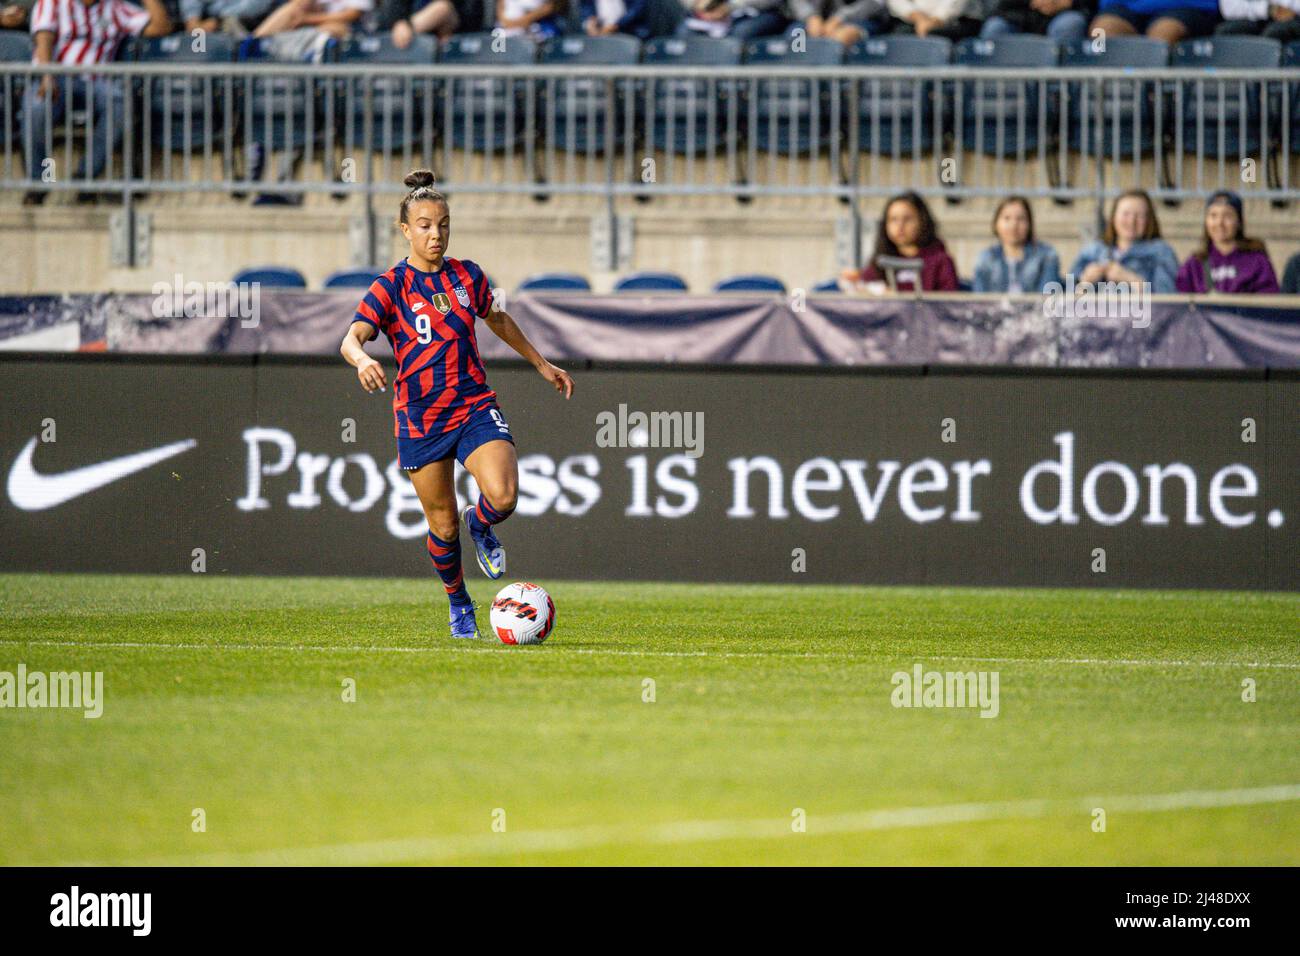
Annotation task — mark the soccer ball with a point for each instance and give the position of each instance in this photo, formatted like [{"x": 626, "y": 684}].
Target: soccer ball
[{"x": 522, "y": 613}]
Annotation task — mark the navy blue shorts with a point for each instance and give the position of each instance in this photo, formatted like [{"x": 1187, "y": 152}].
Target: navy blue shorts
[
  {"x": 1198, "y": 22},
  {"x": 484, "y": 424}
]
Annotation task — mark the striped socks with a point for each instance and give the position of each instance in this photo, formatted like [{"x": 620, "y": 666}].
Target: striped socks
[
  {"x": 446, "y": 561},
  {"x": 487, "y": 516}
]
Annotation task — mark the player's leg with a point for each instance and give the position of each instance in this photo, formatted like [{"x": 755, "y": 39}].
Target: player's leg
[
  {"x": 496, "y": 472},
  {"x": 435, "y": 487}
]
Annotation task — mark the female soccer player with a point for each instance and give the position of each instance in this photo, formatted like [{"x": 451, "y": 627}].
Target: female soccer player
[{"x": 427, "y": 305}]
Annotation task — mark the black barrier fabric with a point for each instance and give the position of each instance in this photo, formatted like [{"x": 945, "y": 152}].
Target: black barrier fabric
[
  {"x": 271, "y": 466},
  {"x": 1166, "y": 332}
]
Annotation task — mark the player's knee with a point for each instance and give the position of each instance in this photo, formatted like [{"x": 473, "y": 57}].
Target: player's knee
[
  {"x": 443, "y": 523},
  {"x": 503, "y": 495}
]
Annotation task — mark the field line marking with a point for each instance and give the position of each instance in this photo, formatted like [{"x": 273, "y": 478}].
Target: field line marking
[
  {"x": 629, "y": 652},
  {"x": 441, "y": 849}
]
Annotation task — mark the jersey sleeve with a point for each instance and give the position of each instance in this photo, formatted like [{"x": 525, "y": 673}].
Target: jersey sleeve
[
  {"x": 377, "y": 307},
  {"x": 480, "y": 290}
]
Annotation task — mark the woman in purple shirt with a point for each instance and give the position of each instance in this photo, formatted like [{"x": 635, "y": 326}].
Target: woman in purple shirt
[{"x": 1228, "y": 260}]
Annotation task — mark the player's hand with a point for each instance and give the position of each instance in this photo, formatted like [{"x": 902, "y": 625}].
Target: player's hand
[
  {"x": 371, "y": 374},
  {"x": 558, "y": 377}
]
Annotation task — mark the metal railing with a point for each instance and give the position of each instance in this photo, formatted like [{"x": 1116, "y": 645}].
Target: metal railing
[{"x": 847, "y": 132}]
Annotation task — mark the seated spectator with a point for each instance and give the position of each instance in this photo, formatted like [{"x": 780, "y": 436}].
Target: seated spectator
[
  {"x": 907, "y": 231},
  {"x": 539, "y": 19},
  {"x": 298, "y": 29},
  {"x": 1131, "y": 249},
  {"x": 1167, "y": 20},
  {"x": 1228, "y": 260},
  {"x": 934, "y": 18},
  {"x": 15, "y": 13},
  {"x": 603, "y": 17},
  {"x": 442, "y": 18},
  {"x": 1270, "y": 18},
  {"x": 81, "y": 32},
  {"x": 845, "y": 20},
  {"x": 1065, "y": 21},
  {"x": 744, "y": 20},
  {"x": 239, "y": 18},
  {"x": 1291, "y": 276},
  {"x": 1017, "y": 262}
]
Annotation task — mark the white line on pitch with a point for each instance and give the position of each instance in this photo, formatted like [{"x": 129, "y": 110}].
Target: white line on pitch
[
  {"x": 442, "y": 849},
  {"x": 630, "y": 652}
]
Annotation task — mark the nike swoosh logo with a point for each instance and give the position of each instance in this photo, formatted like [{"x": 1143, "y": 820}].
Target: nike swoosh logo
[{"x": 32, "y": 491}]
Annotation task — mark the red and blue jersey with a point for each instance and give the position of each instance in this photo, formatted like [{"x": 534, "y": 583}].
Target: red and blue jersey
[{"x": 428, "y": 318}]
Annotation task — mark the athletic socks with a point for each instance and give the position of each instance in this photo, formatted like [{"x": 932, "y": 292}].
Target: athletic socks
[
  {"x": 486, "y": 516},
  {"x": 446, "y": 561}
]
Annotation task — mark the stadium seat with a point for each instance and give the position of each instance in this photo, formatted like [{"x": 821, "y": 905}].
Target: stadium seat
[
  {"x": 485, "y": 114},
  {"x": 271, "y": 277},
  {"x": 685, "y": 112},
  {"x": 581, "y": 119},
  {"x": 187, "y": 112},
  {"x": 1125, "y": 105},
  {"x": 353, "y": 278},
  {"x": 650, "y": 282},
  {"x": 1221, "y": 107},
  {"x": 896, "y": 115},
  {"x": 990, "y": 110},
  {"x": 283, "y": 112},
  {"x": 791, "y": 116},
  {"x": 398, "y": 104},
  {"x": 555, "y": 281},
  {"x": 15, "y": 47},
  {"x": 827, "y": 286},
  {"x": 750, "y": 283}
]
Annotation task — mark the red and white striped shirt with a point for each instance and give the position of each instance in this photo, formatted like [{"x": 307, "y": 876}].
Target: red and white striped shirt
[{"x": 87, "y": 34}]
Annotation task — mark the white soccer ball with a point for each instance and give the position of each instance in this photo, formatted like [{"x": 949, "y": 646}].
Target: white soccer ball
[{"x": 522, "y": 613}]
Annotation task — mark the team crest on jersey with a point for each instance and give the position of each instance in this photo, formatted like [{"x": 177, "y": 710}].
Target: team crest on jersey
[
  {"x": 442, "y": 303},
  {"x": 462, "y": 296}
]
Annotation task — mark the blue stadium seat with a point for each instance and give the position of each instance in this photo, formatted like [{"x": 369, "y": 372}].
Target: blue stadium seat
[
  {"x": 398, "y": 104},
  {"x": 187, "y": 112},
  {"x": 990, "y": 110},
  {"x": 896, "y": 115},
  {"x": 482, "y": 113},
  {"x": 15, "y": 47},
  {"x": 791, "y": 116},
  {"x": 283, "y": 112},
  {"x": 271, "y": 277},
  {"x": 555, "y": 281},
  {"x": 750, "y": 283},
  {"x": 827, "y": 286},
  {"x": 1221, "y": 108},
  {"x": 1125, "y": 105},
  {"x": 687, "y": 111},
  {"x": 650, "y": 282},
  {"x": 353, "y": 278},
  {"x": 583, "y": 120}
]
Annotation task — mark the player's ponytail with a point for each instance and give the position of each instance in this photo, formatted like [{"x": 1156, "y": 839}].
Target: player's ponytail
[{"x": 420, "y": 183}]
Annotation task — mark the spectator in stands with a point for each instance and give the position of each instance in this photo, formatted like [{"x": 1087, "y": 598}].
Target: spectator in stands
[
  {"x": 603, "y": 17},
  {"x": 907, "y": 231},
  {"x": 934, "y": 18},
  {"x": 442, "y": 18},
  {"x": 539, "y": 19},
  {"x": 1064, "y": 21},
  {"x": 14, "y": 14},
  {"x": 1017, "y": 262},
  {"x": 1277, "y": 19},
  {"x": 239, "y": 18},
  {"x": 1167, "y": 20},
  {"x": 1131, "y": 249},
  {"x": 1291, "y": 276},
  {"x": 81, "y": 32},
  {"x": 744, "y": 20},
  {"x": 845, "y": 20},
  {"x": 299, "y": 29},
  {"x": 1228, "y": 260}
]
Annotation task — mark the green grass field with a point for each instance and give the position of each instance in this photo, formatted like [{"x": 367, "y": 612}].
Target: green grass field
[{"x": 226, "y": 694}]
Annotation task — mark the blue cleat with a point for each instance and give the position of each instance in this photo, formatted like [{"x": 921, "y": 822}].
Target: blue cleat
[
  {"x": 488, "y": 552},
  {"x": 462, "y": 621}
]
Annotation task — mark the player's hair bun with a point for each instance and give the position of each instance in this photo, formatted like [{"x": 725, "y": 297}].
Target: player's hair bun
[{"x": 419, "y": 178}]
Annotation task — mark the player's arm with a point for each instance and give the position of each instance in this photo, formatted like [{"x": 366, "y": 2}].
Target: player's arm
[
  {"x": 160, "y": 24},
  {"x": 369, "y": 371},
  {"x": 509, "y": 332}
]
